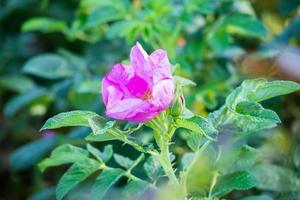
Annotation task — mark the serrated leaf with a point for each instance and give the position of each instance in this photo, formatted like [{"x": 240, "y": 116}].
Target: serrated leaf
[
  {"x": 48, "y": 66},
  {"x": 101, "y": 137},
  {"x": 95, "y": 152},
  {"x": 72, "y": 118},
  {"x": 45, "y": 25},
  {"x": 236, "y": 181},
  {"x": 275, "y": 178},
  {"x": 198, "y": 125},
  {"x": 123, "y": 161},
  {"x": 99, "y": 126},
  {"x": 77, "y": 173},
  {"x": 31, "y": 153},
  {"x": 153, "y": 168},
  {"x": 64, "y": 154},
  {"x": 257, "y": 90},
  {"x": 101, "y": 156},
  {"x": 134, "y": 189},
  {"x": 105, "y": 181},
  {"x": 273, "y": 89},
  {"x": 107, "y": 153},
  {"x": 195, "y": 140},
  {"x": 251, "y": 116}
]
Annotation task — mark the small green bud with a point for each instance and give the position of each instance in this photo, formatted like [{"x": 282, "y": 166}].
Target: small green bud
[{"x": 178, "y": 106}]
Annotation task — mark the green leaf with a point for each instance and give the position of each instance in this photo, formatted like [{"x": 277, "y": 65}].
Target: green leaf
[
  {"x": 77, "y": 173},
  {"x": 273, "y": 89},
  {"x": 153, "y": 168},
  {"x": 236, "y": 181},
  {"x": 121, "y": 28},
  {"x": 275, "y": 178},
  {"x": 291, "y": 195},
  {"x": 48, "y": 66},
  {"x": 245, "y": 25},
  {"x": 90, "y": 86},
  {"x": 104, "y": 14},
  {"x": 15, "y": 104},
  {"x": 64, "y": 154},
  {"x": 105, "y": 181},
  {"x": 195, "y": 140},
  {"x": 202, "y": 6},
  {"x": 257, "y": 90},
  {"x": 99, "y": 126},
  {"x": 181, "y": 81},
  {"x": 107, "y": 153},
  {"x": 218, "y": 38},
  {"x": 134, "y": 189},
  {"x": 95, "y": 152},
  {"x": 251, "y": 116},
  {"x": 46, "y": 194},
  {"x": 197, "y": 125},
  {"x": 123, "y": 161},
  {"x": 72, "y": 118},
  {"x": 101, "y": 156},
  {"x": 18, "y": 83},
  {"x": 45, "y": 25},
  {"x": 101, "y": 137},
  {"x": 258, "y": 197},
  {"x": 241, "y": 106},
  {"x": 31, "y": 153}
]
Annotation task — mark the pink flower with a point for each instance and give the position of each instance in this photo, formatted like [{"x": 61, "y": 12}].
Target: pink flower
[{"x": 139, "y": 92}]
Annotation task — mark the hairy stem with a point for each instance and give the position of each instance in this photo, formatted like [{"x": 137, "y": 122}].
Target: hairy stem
[{"x": 164, "y": 158}]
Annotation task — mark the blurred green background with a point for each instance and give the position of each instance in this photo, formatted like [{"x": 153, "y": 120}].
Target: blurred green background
[{"x": 53, "y": 54}]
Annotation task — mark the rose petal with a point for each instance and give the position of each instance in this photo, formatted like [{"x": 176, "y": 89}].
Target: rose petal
[
  {"x": 162, "y": 93},
  {"x": 133, "y": 110},
  {"x": 120, "y": 74},
  {"x": 140, "y": 63},
  {"x": 114, "y": 96},
  {"x": 137, "y": 86},
  {"x": 161, "y": 65}
]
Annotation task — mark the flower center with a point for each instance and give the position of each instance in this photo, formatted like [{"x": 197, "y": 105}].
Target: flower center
[{"x": 138, "y": 87}]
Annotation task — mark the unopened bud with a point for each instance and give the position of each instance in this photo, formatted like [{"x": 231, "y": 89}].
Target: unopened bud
[{"x": 178, "y": 106}]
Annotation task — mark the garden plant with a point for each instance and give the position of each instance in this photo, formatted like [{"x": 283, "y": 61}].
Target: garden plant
[
  {"x": 203, "y": 105},
  {"x": 144, "y": 93}
]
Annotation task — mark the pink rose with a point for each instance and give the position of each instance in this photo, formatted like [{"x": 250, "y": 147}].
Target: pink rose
[{"x": 139, "y": 92}]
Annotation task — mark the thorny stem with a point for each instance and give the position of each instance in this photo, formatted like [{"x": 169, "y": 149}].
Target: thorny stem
[
  {"x": 163, "y": 132},
  {"x": 165, "y": 161}
]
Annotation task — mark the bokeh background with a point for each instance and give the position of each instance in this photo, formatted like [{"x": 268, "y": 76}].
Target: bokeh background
[{"x": 53, "y": 54}]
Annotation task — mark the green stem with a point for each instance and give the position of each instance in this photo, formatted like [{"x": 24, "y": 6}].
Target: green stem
[
  {"x": 185, "y": 174},
  {"x": 163, "y": 132},
  {"x": 164, "y": 158},
  {"x": 213, "y": 183}
]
